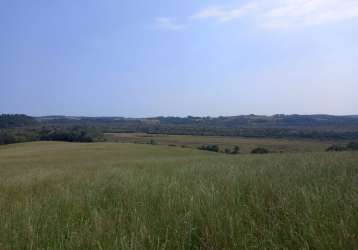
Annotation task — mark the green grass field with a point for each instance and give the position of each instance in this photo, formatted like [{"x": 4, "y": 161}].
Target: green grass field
[
  {"x": 132, "y": 196},
  {"x": 246, "y": 144}
]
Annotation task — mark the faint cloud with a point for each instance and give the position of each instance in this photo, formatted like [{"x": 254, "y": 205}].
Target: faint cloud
[
  {"x": 290, "y": 13},
  {"x": 281, "y": 14},
  {"x": 167, "y": 23},
  {"x": 225, "y": 14}
]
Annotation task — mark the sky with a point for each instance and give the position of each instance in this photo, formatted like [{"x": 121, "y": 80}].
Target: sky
[{"x": 140, "y": 58}]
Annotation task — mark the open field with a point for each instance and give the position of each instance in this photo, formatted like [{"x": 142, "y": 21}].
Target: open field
[
  {"x": 246, "y": 144},
  {"x": 131, "y": 196}
]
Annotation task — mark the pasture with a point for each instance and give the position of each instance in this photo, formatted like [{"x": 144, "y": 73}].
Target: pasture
[
  {"x": 56, "y": 195},
  {"x": 245, "y": 144}
]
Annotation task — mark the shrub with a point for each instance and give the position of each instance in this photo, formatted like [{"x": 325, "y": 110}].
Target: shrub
[
  {"x": 232, "y": 151},
  {"x": 352, "y": 146},
  {"x": 236, "y": 150},
  {"x": 210, "y": 147},
  {"x": 260, "y": 151},
  {"x": 335, "y": 148},
  {"x": 227, "y": 151}
]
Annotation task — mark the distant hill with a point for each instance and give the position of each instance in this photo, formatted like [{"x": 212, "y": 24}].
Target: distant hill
[
  {"x": 276, "y": 121},
  {"x": 322, "y": 127},
  {"x": 276, "y": 126},
  {"x": 243, "y": 121},
  {"x": 16, "y": 121}
]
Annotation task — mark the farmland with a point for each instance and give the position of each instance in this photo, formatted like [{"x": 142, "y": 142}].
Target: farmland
[
  {"x": 56, "y": 195},
  {"x": 245, "y": 144}
]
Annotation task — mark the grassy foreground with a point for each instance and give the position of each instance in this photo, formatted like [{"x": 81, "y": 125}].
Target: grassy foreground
[{"x": 124, "y": 196}]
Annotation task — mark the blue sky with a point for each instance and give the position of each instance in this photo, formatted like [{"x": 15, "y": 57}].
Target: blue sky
[{"x": 143, "y": 58}]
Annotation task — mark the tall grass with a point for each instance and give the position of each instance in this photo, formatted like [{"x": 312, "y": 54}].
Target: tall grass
[{"x": 113, "y": 196}]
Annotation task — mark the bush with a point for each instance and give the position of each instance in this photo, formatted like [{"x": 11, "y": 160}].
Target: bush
[
  {"x": 335, "y": 148},
  {"x": 352, "y": 146},
  {"x": 227, "y": 151},
  {"x": 260, "y": 151},
  {"x": 210, "y": 147},
  {"x": 236, "y": 150}
]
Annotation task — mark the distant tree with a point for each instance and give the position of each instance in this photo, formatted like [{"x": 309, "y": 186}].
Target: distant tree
[
  {"x": 260, "y": 151},
  {"x": 227, "y": 151},
  {"x": 75, "y": 134}
]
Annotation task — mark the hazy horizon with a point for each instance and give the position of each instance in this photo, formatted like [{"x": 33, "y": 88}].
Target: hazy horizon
[
  {"x": 178, "y": 58},
  {"x": 183, "y": 116}
]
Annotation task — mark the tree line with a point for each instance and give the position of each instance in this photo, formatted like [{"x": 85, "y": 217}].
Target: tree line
[
  {"x": 68, "y": 134},
  {"x": 20, "y": 128}
]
